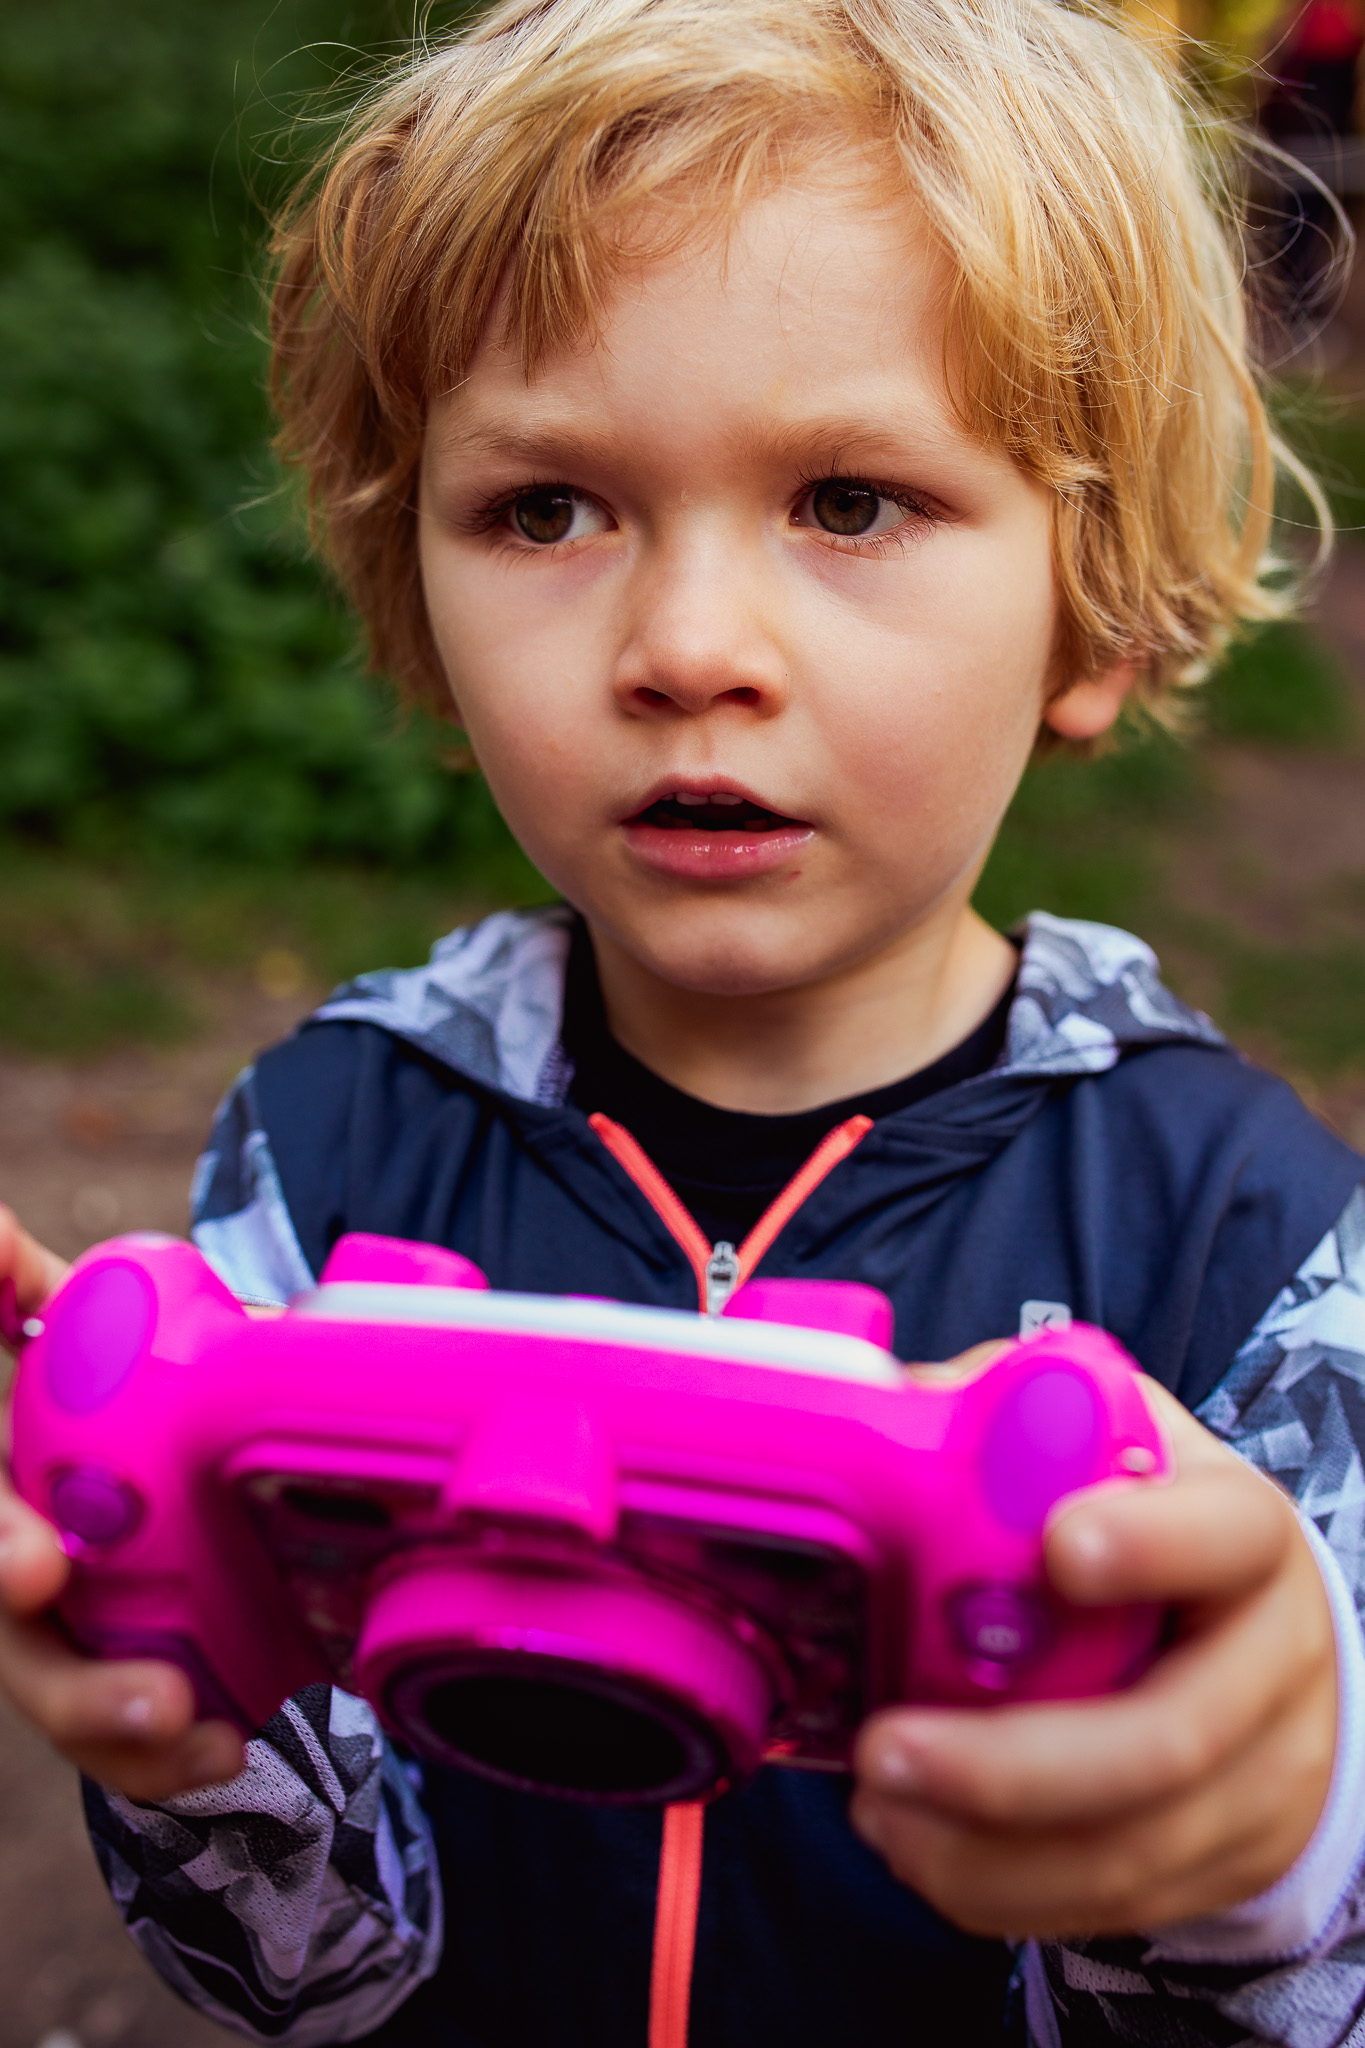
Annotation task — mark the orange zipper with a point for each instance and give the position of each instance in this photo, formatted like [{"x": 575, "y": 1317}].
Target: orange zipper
[{"x": 720, "y": 1269}]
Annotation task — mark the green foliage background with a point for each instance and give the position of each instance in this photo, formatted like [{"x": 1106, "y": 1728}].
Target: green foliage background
[{"x": 174, "y": 678}]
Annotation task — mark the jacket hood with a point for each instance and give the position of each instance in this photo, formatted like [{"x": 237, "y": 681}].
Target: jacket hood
[{"x": 488, "y": 1003}]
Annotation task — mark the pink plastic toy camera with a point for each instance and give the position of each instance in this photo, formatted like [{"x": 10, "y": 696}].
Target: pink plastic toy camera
[{"x": 615, "y": 1553}]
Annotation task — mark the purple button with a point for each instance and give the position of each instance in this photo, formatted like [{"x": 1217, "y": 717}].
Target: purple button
[
  {"x": 94, "y": 1505},
  {"x": 997, "y": 1624},
  {"x": 1044, "y": 1440},
  {"x": 97, "y": 1329}
]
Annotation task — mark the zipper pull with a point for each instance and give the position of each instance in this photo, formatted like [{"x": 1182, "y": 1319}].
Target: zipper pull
[{"x": 722, "y": 1277}]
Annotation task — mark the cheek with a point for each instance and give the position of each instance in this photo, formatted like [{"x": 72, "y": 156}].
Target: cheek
[
  {"x": 944, "y": 651},
  {"x": 530, "y": 722},
  {"x": 542, "y": 787},
  {"x": 936, "y": 721},
  {"x": 514, "y": 666}
]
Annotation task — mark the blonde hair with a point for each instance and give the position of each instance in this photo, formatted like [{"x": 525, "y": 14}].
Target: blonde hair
[{"x": 1099, "y": 323}]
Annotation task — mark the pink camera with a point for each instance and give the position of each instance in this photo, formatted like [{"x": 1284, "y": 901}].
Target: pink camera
[{"x": 615, "y": 1553}]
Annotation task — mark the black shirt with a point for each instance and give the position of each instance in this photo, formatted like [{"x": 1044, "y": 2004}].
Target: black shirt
[{"x": 727, "y": 1165}]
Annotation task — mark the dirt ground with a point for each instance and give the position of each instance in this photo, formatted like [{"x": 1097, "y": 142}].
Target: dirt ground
[{"x": 87, "y": 1150}]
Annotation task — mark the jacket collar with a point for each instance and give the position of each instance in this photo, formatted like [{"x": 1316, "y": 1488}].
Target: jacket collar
[{"x": 488, "y": 1003}]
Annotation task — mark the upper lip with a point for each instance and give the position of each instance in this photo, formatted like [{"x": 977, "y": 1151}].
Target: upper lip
[{"x": 703, "y": 786}]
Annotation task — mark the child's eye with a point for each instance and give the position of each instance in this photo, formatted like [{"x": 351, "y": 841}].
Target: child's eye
[
  {"x": 854, "y": 510},
  {"x": 554, "y": 513}
]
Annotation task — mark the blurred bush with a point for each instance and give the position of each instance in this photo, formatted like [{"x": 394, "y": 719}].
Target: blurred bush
[{"x": 173, "y": 676}]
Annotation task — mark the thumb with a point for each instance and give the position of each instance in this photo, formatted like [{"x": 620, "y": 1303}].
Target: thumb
[
  {"x": 1214, "y": 1531},
  {"x": 29, "y": 1273},
  {"x": 954, "y": 1372},
  {"x": 33, "y": 1565}
]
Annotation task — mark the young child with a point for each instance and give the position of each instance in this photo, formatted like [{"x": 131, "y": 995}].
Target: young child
[{"x": 766, "y": 418}]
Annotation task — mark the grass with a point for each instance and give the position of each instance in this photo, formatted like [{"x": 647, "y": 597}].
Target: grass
[
  {"x": 1082, "y": 838},
  {"x": 96, "y": 956},
  {"x": 1283, "y": 688},
  {"x": 1305, "y": 1007},
  {"x": 1112, "y": 840}
]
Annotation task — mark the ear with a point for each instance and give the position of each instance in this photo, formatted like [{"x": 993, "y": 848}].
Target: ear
[{"x": 1088, "y": 708}]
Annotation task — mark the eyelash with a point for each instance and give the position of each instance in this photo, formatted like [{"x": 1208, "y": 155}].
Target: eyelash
[
  {"x": 487, "y": 517},
  {"x": 919, "y": 513}
]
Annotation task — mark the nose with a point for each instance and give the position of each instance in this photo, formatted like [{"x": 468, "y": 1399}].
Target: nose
[{"x": 700, "y": 634}]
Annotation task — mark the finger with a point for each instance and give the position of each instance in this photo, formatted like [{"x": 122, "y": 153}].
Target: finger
[
  {"x": 1234, "y": 1836},
  {"x": 78, "y": 1702},
  {"x": 1082, "y": 1761},
  {"x": 968, "y": 1365},
  {"x": 128, "y": 1724},
  {"x": 1194, "y": 1446},
  {"x": 1215, "y": 1533},
  {"x": 209, "y": 1753},
  {"x": 33, "y": 1565},
  {"x": 35, "y": 1271},
  {"x": 1059, "y": 1884}
]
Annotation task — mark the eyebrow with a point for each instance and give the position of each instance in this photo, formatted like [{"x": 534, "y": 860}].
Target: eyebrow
[
  {"x": 522, "y": 440},
  {"x": 849, "y": 437},
  {"x": 846, "y": 439}
]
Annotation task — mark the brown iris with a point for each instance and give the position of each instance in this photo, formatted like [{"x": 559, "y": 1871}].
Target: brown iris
[
  {"x": 544, "y": 516},
  {"x": 844, "y": 507}
]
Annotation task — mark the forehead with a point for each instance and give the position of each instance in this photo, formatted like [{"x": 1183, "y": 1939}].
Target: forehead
[{"x": 825, "y": 298}]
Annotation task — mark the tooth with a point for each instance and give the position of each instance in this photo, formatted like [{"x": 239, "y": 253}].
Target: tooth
[
  {"x": 682, "y": 797},
  {"x": 723, "y": 796}
]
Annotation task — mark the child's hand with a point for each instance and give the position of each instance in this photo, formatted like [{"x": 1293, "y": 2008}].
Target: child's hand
[
  {"x": 28, "y": 1274},
  {"x": 129, "y": 1725},
  {"x": 1195, "y": 1789}
]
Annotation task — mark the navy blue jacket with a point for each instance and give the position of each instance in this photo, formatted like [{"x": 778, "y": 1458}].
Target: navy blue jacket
[{"x": 1120, "y": 1162}]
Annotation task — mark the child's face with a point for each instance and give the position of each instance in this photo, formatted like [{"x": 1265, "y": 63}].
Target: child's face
[{"x": 750, "y": 636}]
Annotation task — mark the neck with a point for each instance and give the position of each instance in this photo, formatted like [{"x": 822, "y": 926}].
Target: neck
[{"x": 791, "y": 1049}]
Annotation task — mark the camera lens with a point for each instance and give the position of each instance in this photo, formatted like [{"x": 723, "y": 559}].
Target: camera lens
[
  {"x": 339, "y": 1510},
  {"x": 564, "y": 1682},
  {"x": 559, "y": 1737}
]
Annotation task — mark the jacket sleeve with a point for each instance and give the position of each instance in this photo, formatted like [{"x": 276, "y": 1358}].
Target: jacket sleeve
[
  {"x": 301, "y": 1902},
  {"x": 240, "y": 1219},
  {"x": 1289, "y": 1968}
]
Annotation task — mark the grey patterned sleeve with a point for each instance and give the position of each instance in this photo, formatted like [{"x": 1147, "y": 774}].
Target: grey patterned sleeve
[
  {"x": 300, "y": 1903},
  {"x": 241, "y": 1221},
  {"x": 1293, "y": 1404}
]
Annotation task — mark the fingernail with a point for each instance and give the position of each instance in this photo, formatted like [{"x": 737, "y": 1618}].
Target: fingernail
[
  {"x": 1089, "y": 1540},
  {"x": 897, "y": 1768},
  {"x": 136, "y": 1714}
]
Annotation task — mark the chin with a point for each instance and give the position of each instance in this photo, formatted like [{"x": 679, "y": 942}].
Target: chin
[{"x": 738, "y": 956}]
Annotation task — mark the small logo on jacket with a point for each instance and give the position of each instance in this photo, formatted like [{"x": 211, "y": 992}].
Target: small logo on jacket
[{"x": 1043, "y": 1315}]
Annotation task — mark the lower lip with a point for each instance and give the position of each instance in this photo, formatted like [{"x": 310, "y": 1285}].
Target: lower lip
[{"x": 715, "y": 856}]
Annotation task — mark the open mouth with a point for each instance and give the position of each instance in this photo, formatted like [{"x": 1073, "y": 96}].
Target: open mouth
[
  {"x": 720, "y": 812},
  {"x": 718, "y": 835}
]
